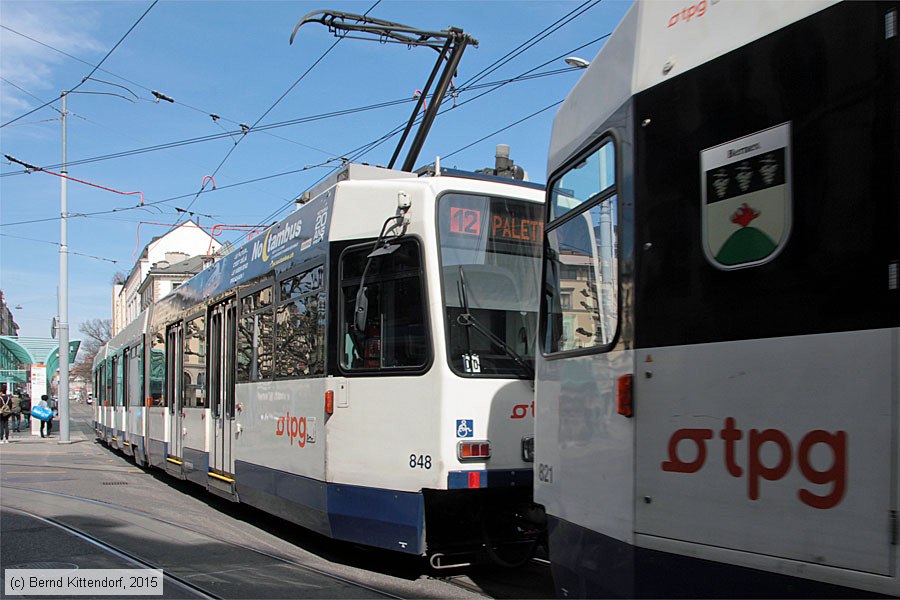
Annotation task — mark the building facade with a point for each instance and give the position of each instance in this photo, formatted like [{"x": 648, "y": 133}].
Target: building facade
[{"x": 176, "y": 246}]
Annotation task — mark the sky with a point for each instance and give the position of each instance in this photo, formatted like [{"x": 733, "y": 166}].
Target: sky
[{"x": 233, "y": 60}]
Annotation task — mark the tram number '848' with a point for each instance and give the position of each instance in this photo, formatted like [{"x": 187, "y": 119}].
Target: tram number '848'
[{"x": 422, "y": 461}]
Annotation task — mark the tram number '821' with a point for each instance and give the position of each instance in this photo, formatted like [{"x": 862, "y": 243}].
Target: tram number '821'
[{"x": 422, "y": 461}]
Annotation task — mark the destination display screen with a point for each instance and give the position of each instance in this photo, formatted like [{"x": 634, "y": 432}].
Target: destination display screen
[{"x": 503, "y": 225}]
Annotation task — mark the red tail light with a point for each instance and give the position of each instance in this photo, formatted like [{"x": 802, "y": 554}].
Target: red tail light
[
  {"x": 473, "y": 450},
  {"x": 624, "y": 401}
]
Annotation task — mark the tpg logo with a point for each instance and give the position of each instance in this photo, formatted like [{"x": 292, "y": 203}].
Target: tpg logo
[{"x": 756, "y": 469}]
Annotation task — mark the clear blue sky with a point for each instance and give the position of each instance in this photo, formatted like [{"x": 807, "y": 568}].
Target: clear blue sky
[{"x": 233, "y": 59}]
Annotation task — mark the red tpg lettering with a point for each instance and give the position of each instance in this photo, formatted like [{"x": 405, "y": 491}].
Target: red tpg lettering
[{"x": 757, "y": 470}]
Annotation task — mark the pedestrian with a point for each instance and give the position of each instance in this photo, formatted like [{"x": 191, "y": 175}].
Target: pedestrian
[
  {"x": 26, "y": 410},
  {"x": 45, "y": 402},
  {"x": 5, "y": 414},
  {"x": 17, "y": 411}
]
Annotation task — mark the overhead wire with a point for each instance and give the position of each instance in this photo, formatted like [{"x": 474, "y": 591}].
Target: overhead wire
[
  {"x": 472, "y": 84},
  {"x": 272, "y": 107},
  {"x": 28, "y": 239},
  {"x": 215, "y": 117},
  {"x": 527, "y": 44},
  {"x": 543, "y": 34},
  {"x": 94, "y": 70},
  {"x": 291, "y": 122}
]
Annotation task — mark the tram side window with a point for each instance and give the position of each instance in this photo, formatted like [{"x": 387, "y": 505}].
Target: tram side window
[
  {"x": 158, "y": 368},
  {"x": 134, "y": 376},
  {"x": 581, "y": 274},
  {"x": 255, "y": 337},
  {"x": 300, "y": 326},
  {"x": 114, "y": 392},
  {"x": 394, "y": 336},
  {"x": 193, "y": 380}
]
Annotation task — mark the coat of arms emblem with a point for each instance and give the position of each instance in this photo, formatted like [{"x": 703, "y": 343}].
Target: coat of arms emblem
[{"x": 746, "y": 187}]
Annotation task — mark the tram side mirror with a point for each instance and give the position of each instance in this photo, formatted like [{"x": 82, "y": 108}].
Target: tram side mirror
[
  {"x": 361, "y": 310},
  {"x": 383, "y": 250}
]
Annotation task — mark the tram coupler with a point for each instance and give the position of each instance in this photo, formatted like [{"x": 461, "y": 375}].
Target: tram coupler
[{"x": 437, "y": 560}]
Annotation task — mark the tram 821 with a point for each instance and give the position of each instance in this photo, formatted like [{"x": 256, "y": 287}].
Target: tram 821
[
  {"x": 363, "y": 368},
  {"x": 717, "y": 387}
]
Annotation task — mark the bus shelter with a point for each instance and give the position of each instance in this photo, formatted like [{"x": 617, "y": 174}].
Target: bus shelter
[{"x": 25, "y": 360}]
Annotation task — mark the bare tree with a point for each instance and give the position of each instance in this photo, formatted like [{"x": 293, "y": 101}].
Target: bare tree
[{"x": 97, "y": 332}]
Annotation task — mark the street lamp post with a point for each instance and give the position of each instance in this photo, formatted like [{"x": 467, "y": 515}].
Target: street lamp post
[{"x": 63, "y": 325}]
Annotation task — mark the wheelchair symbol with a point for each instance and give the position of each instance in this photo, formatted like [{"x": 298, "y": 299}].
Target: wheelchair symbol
[{"x": 464, "y": 428}]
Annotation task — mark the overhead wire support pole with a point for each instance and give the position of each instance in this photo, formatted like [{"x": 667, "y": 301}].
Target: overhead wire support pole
[
  {"x": 449, "y": 43},
  {"x": 63, "y": 326}
]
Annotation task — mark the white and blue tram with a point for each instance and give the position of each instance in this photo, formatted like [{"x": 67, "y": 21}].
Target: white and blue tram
[
  {"x": 717, "y": 387},
  {"x": 363, "y": 368}
]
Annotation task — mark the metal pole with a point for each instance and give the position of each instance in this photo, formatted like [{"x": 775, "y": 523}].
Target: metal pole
[{"x": 63, "y": 295}]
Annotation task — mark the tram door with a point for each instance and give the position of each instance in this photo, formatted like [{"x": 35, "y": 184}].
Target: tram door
[
  {"x": 221, "y": 383},
  {"x": 174, "y": 361}
]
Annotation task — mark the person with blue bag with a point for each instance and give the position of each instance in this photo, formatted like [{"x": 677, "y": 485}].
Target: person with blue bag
[{"x": 43, "y": 412}]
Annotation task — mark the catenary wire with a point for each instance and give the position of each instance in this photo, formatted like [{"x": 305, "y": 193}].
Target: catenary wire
[
  {"x": 28, "y": 239},
  {"x": 271, "y": 108},
  {"x": 94, "y": 70},
  {"x": 288, "y": 123}
]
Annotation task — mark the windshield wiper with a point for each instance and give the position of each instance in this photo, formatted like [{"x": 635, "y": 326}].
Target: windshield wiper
[{"x": 467, "y": 319}]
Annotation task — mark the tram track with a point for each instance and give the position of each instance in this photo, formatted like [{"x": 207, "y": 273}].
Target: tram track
[
  {"x": 116, "y": 549},
  {"x": 135, "y": 560},
  {"x": 486, "y": 581}
]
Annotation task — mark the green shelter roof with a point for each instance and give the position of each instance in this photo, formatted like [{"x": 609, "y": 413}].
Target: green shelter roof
[{"x": 31, "y": 350}]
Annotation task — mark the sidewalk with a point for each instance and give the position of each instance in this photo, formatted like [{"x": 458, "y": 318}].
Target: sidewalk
[{"x": 79, "y": 429}]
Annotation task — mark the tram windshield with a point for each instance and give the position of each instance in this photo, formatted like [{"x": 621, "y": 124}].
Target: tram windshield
[{"x": 490, "y": 263}]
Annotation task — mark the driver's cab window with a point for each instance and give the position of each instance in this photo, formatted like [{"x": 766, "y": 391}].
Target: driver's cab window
[{"x": 384, "y": 327}]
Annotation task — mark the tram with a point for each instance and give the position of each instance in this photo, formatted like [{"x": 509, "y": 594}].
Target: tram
[
  {"x": 718, "y": 378},
  {"x": 363, "y": 368}
]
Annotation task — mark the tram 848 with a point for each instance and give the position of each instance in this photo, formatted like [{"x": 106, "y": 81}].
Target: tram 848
[{"x": 363, "y": 368}]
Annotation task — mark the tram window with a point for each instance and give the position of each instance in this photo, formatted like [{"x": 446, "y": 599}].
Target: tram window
[
  {"x": 490, "y": 263},
  {"x": 394, "y": 336},
  {"x": 157, "y": 368},
  {"x": 265, "y": 344},
  {"x": 193, "y": 380},
  {"x": 255, "y": 337},
  {"x": 581, "y": 280},
  {"x": 304, "y": 283},
  {"x": 584, "y": 181},
  {"x": 115, "y": 391},
  {"x": 246, "y": 327},
  {"x": 134, "y": 376},
  {"x": 300, "y": 337},
  {"x": 257, "y": 300}
]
